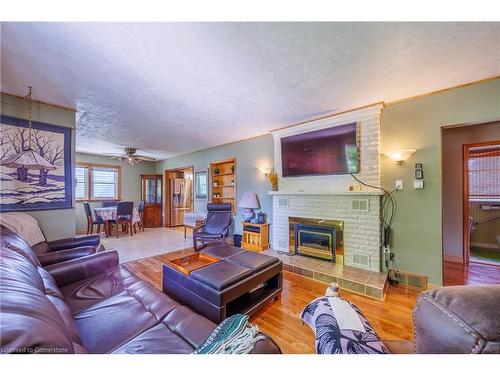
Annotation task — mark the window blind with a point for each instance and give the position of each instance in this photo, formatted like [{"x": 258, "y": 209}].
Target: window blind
[
  {"x": 81, "y": 182},
  {"x": 484, "y": 174},
  {"x": 104, "y": 182}
]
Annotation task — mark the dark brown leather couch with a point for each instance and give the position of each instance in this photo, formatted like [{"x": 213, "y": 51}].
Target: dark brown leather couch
[
  {"x": 50, "y": 252},
  {"x": 90, "y": 305}
]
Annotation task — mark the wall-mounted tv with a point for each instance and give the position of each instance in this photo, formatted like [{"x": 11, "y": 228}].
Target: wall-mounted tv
[{"x": 327, "y": 151}]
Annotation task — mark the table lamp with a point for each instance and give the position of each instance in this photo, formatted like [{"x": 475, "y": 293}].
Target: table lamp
[{"x": 249, "y": 201}]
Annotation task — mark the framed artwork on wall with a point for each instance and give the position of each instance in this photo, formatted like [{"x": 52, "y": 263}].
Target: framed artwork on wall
[
  {"x": 35, "y": 166},
  {"x": 201, "y": 185}
]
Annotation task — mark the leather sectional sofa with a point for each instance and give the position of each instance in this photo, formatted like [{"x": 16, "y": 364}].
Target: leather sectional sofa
[{"x": 90, "y": 305}]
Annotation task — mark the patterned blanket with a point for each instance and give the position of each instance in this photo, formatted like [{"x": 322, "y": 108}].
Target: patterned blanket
[
  {"x": 330, "y": 339},
  {"x": 233, "y": 336}
]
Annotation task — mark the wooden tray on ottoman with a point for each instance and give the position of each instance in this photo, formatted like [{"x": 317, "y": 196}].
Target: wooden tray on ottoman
[{"x": 190, "y": 263}]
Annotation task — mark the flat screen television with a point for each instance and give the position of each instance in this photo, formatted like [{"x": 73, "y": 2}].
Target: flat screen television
[{"x": 327, "y": 151}]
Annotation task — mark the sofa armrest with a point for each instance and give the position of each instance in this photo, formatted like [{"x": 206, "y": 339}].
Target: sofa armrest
[
  {"x": 74, "y": 270},
  {"x": 266, "y": 346},
  {"x": 79, "y": 241},
  {"x": 65, "y": 255}
]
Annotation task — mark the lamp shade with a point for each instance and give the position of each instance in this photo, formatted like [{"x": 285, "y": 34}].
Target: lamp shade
[
  {"x": 249, "y": 200},
  {"x": 400, "y": 155}
]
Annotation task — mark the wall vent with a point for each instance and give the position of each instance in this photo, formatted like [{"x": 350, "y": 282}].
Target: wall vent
[
  {"x": 361, "y": 259},
  {"x": 360, "y": 205},
  {"x": 409, "y": 279},
  {"x": 283, "y": 202}
]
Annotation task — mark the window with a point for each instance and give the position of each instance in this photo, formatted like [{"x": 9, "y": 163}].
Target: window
[
  {"x": 96, "y": 182},
  {"x": 484, "y": 173},
  {"x": 82, "y": 182}
]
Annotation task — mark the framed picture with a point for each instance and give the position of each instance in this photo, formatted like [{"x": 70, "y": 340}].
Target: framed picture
[
  {"x": 35, "y": 166},
  {"x": 201, "y": 185}
]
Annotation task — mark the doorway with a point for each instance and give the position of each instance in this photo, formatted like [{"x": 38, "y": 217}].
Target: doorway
[
  {"x": 482, "y": 203},
  {"x": 471, "y": 203},
  {"x": 179, "y": 194}
]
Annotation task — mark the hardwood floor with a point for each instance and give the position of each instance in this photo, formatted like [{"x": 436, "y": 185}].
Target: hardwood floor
[
  {"x": 476, "y": 273},
  {"x": 392, "y": 319}
]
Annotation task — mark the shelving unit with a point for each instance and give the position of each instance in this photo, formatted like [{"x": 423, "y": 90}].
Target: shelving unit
[
  {"x": 223, "y": 182},
  {"x": 255, "y": 236}
]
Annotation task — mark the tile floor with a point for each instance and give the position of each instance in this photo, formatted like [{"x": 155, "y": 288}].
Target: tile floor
[{"x": 151, "y": 242}]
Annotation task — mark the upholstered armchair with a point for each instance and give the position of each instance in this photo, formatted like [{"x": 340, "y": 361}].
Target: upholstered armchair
[
  {"x": 61, "y": 250},
  {"x": 216, "y": 226}
]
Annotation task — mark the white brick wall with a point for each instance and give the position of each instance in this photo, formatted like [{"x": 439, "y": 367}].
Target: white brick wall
[
  {"x": 361, "y": 229},
  {"x": 368, "y": 120}
]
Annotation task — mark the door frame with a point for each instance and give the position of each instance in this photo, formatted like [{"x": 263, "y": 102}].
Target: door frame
[
  {"x": 166, "y": 190},
  {"x": 465, "y": 209}
]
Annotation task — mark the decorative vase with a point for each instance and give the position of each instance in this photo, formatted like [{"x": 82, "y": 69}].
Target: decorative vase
[{"x": 274, "y": 187}]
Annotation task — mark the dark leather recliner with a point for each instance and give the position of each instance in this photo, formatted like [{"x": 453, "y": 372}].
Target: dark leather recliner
[
  {"x": 91, "y": 305},
  {"x": 216, "y": 226},
  {"x": 454, "y": 320},
  {"x": 50, "y": 252}
]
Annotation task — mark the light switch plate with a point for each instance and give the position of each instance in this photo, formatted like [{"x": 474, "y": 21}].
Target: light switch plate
[
  {"x": 399, "y": 184},
  {"x": 418, "y": 184}
]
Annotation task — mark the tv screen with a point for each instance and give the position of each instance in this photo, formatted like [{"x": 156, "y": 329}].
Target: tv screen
[{"x": 327, "y": 151}]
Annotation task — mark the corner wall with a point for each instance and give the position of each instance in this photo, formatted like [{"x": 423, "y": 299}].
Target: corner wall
[
  {"x": 416, "y": 123},
  {"x": 55, "y": 224},
  {"x": 250, "y": 155}
]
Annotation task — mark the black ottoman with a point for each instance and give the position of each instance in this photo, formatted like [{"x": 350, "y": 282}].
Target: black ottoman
[{"x": 241, "y": 282}]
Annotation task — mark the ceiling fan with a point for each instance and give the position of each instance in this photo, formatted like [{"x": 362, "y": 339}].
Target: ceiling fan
[{"x": 130, "y": 156}]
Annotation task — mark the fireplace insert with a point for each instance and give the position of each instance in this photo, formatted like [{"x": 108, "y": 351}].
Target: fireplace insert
[{"x": 315, "y": 241}]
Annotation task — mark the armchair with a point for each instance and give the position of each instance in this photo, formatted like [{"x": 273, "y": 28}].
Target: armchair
[{"x": 216, "y": 226}]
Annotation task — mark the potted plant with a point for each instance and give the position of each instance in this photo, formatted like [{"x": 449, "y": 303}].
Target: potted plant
[{"x": 216, "y": 170}]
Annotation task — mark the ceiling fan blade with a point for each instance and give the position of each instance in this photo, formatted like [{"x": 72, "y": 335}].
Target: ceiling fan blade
[{"x": 145, "y": 158}]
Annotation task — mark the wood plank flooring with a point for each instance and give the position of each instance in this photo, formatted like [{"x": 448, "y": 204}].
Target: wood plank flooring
[
  {"x": 476, "y": 273},
  {"x": 392, "y": 319}
]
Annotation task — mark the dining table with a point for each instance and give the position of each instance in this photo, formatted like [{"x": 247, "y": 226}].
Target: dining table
[{"x": 109, "y": 213}]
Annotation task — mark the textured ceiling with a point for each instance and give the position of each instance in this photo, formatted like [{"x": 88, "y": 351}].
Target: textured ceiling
[{"x": 172, "y": 88}]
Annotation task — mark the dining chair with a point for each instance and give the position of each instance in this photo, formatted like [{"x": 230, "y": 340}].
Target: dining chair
[
  {"x": 109, "y": 203},
  {"x": 124, "y": 216},
  {"x": 91, "y": 221},
  {"x": 216, "y": 225},
  {"x": 140, "y": 210}
]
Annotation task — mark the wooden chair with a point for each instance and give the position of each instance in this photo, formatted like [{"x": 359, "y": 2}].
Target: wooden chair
[
  {"x": 140, "y": 209},
  {"x": 90, "y": 219},
  {"x": 109, "y": 203},
  {"x": 124, "y": 216}
]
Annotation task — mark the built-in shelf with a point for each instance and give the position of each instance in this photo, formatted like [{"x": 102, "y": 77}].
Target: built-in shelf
[{"x": 226, "y": 182}]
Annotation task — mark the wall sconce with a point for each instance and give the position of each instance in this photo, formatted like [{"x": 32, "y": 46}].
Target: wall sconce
[
  {"x": 271, "y": 176},
  {"x": 399, "y": 156}
]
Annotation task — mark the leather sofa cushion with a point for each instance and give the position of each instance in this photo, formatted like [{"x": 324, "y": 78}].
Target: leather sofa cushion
[
  {"x": 12, "y": 241},
  {"x": 221, "y": 275},
  {"x": 107, "y": 325},
  {"x": 29, "y": 318},
  {"x": 181, "y": 331},
  {"x": 87, "y": 292},
  {"x": 221, "y": 252},
  {"x": 252, "y": 260}
]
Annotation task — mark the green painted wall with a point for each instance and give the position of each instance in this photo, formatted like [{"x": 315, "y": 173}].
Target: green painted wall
[
  {"x": 55, "y": 224},
  {"x": 417, "y": 124},
  {"x": 130, "y": 183},
  {"x": 251, "y": 155}
]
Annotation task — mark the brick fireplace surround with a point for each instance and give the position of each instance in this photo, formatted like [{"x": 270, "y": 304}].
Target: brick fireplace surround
[{"x": 329, "y": 198}]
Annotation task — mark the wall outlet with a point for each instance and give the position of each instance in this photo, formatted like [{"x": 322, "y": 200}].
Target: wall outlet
[
  {"x": 418, "y": 184},
  {"x": 399, "y": 184}
]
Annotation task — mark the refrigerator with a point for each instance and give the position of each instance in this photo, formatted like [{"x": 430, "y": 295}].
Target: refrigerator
[{"x": 180, "y": 199}]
